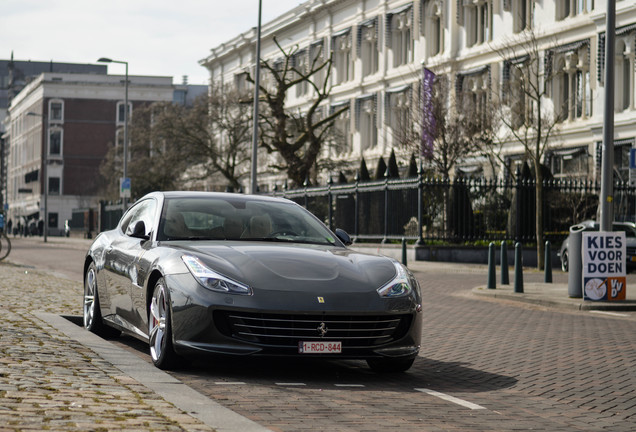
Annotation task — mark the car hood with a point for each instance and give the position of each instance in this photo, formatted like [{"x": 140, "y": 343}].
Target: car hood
[{"x": 290, "y": 267}]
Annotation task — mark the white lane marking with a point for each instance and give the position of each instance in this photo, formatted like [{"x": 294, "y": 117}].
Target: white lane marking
[
  {"x": 349, "y": 385},
  {"x": 290, "y": 384},
  {"x": 229, "y": 383},
  {"x": 609, "y": 313},
  {"x": 453, "y": 399}
]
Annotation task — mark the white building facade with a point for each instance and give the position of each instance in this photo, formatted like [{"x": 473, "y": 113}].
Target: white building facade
[{"x": 380, "y": 47}]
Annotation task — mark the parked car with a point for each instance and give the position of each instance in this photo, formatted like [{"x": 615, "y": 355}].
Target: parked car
[
  {"x": 213, "y": 273},
  {"x": 590, "y": 225}
]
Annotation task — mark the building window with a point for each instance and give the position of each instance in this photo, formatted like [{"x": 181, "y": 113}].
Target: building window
[
  {"x": 522, "y": 15},
  {"x": 342, "y": 130},
  {"x": 54, "y": 186},
  {"x": 317, "y": 58},
  {"x": 56, "y": 111},
  {"x": 120, "y": 112},
  {"x": 240, "y": 82},
  {"x": 397, "y": 111},
  {"x": 342, "y": 56},
  {"x": 366, "y": 119},
  {"x": 570, "y": 8},
  {"x": 517, "y": 102},
  {"x": 478, "y": 21},
  {"x": 624, "y": 73},
  {"x": 301, "y": 69},
  {"x": 399, "y": 31},
  {"x": 368, "y": 46},
  {"x": 434, "y": 29},
  {"x": 571, "y": 90},
  {"x": 473, "y": 92},
  {"x": 55, "y": 143},
  {"x": 570, "y": 163}
]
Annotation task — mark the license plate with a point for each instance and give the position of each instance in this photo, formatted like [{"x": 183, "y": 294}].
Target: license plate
[{"x": 330, "y": 347}]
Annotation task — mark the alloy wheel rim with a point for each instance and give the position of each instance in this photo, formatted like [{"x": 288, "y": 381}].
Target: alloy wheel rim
[
  {"x": 89, "y": 298},
  {"x": 157, "y": 322}
]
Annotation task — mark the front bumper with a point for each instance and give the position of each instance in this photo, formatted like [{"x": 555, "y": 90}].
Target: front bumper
[{"x": 273, "y": 324}]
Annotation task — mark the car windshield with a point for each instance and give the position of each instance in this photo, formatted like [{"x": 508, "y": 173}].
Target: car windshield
[{"x": 206, "y": 218}]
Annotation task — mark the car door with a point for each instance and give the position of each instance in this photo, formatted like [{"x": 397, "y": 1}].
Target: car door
[{"x": 122, "y": 264}]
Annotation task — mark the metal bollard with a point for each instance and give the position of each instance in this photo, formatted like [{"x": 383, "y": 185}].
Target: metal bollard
[
  {"x": 491, "y": 266},
  {"x": 518, "y": 268},
  {"x": 547, "y": 263},
  {"x": 505, "y": 280},
  {"x": 404, "y": 259},
  {"x": 575, "y": 262}
]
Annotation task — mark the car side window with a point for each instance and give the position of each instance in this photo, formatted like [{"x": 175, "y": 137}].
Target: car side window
[{"x": 142, "y": 211}]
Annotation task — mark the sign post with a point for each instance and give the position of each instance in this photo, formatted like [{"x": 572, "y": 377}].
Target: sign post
[{"x": 604, "y": 266}]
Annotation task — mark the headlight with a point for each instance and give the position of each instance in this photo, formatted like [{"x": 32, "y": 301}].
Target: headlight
[
  {"x": 400, "y": 286},
  {"x": 212, "y": 280}
]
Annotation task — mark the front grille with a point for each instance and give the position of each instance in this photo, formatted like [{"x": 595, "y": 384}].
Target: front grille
[{"x": 283, "y": 330}]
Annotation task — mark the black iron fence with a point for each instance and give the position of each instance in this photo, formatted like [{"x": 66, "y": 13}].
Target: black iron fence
[
  {"x": 457, "y": 211},
  {"x": 447, "y": 211}
]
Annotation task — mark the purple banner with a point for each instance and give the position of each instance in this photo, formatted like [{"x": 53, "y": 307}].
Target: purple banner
[{"x": 428, "y": 116}]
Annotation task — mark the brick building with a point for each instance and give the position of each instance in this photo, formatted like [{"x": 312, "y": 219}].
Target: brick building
[{"x": 70, "y": 121}]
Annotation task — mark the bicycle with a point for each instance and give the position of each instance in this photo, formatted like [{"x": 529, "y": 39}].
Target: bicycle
[{"x": 5, "y": 245}]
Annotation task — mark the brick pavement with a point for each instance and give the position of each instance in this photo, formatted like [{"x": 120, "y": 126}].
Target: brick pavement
[{"x": 51, "y": 382}]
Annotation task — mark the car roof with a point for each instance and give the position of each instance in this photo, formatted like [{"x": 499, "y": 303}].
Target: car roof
[{"x": 222, "y": 195}]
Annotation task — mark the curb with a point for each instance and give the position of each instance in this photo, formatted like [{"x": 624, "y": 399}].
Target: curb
[
  {"x": 554, "y": 300},
  {"x": 166, "y": 386}
]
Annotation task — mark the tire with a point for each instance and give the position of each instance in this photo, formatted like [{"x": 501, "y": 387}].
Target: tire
[
  {"x": 386, "y": 365},
  {"x": 92, "y": 312},
  {"x": 160, "y": 328},
  {"x": 5, "y": 246},
  {"x": 565, "y": 262}
]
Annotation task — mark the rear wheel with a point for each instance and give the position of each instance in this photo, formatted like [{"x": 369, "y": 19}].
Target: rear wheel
[
  {"x": 384, "y": 365},
  {"x": 160, "y": 328}
]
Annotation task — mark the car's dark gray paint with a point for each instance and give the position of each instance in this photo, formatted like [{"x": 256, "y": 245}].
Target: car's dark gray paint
[{"x": 290, "y": 278}]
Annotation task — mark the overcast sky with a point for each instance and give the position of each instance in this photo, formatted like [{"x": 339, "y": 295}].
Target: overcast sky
[{"x": 155, "y": 37}]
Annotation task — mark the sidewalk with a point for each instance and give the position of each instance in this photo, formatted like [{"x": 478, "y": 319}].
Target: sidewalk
[{"x": 538, "y": 293}]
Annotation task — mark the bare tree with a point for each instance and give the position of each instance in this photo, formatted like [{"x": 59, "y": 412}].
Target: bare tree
[
  {"x": 458, "y": 129},
  {"x": 297, "y": 136},
  {"x": 174, "y": 145},
  {"x": 213, "y": 135},
  {"x": 525, "y": 112}
]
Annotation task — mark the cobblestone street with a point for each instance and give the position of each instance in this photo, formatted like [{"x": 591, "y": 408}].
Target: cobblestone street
[{"x": 50, "y": 382}]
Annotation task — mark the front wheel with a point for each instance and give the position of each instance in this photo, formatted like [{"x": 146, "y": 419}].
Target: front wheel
[
  {"x": 385, "y": 365},
  {"x": 92, "y": 312},
  {"x": 565, "y": 264},
  {"x": 160, "y": 328}
]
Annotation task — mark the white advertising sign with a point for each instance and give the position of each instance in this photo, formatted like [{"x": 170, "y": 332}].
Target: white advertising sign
[{"x": 604, "y": 265}]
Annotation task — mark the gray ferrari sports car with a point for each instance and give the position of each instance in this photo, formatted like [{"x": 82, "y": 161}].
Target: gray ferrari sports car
[{"x": 228, "y": 274}]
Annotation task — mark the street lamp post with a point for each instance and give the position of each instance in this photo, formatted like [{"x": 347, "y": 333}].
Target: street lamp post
[
  {"x": 125, "y": 167},
  {"x": 45, "y": 179},
  {"x": 257, "y": 80}
]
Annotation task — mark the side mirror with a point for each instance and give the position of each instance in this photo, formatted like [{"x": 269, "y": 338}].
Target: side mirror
[
  {"x": 343, "y": 236},
  {"x": 137, "y": 230}
]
